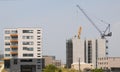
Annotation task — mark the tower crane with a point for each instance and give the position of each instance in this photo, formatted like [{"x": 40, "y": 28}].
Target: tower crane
[
  {"x": 79, "y": 32},
  {"x": 105, "y": 33}
]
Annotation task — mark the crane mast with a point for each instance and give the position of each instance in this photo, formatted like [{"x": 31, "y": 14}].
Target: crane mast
[
  {"x": 103, "y": 34},
  {"x": 79, "y": 32}
]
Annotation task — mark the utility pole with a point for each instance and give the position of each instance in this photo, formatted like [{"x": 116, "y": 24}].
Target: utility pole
[{"x": 79, "y": 64}]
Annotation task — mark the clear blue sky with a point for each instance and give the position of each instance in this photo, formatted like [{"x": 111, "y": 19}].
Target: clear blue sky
[{"x": 60, "y": 20}]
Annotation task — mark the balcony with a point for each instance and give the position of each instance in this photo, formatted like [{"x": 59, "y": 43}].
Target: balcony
[
  {"x": 14, "y": 53},
  {"x": 6, "y": 59},
  {"x": 13, "y": 46},
  {"x": 14, "y": 41},
  {"x": 14, "y": 35}
]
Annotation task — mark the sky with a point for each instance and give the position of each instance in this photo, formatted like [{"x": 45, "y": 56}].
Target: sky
[{"x": 60, "y": 20}]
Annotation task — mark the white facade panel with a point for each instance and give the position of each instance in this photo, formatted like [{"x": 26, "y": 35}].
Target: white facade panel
[
  {"x": 78, "y": 50},
  {"x": 88, "y": 50},
  {"x": 34, "y": 38}
]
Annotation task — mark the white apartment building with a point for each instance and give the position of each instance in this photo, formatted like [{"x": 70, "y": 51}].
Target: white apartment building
[
  {"x": 23, "y": 49},
  {"x": 88, "y": 50}
]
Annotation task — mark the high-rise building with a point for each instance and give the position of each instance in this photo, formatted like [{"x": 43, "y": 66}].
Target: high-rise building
[
  {"x": 87, "y": 50},
  {"x": 23, "y": 49}
]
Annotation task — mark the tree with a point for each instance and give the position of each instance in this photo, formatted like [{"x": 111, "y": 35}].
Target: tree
[{"x": 50, "y": 68}]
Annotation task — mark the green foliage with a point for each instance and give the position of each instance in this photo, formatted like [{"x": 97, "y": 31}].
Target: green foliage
[
  {"x": 97, "y": 70},
  {"x": 50, "y": 68}
]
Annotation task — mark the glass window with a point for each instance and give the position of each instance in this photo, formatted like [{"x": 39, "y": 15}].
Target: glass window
[
  {"x": 28, "y": 43},
  {"x": 38, "y": 44},
  {"x": 38, "y": 61},
  {"x": 7, "y": 49},
  {"x": 38, "y": 53},
  {"x": 7, "y": 32},
  {"x": 38, "y": 47},
  {"x": 38, "y": 66},
  {"x": 27, "y": 55},
  {"x": 38, "y": 38},
  {"x": 28, "y": 48},
  {"x": 15, "y": 61},
  {"x": 7, "y": 37},
  {"x": 38, "y": 30},
  {"x": 27, "y": 31},
  {"x": 38, "y": 56},
  {"x": 7, "y": 55},
  {"x": 26, "y": 60},
  {"x": 38, "y": 50},
  {"x": 14, "y": 31},
  {"x": 7, "y": 43}
]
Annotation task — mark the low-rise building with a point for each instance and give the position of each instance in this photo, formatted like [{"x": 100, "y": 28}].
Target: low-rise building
[
  {"x": 51, "y": 60},
  {"x": 82, "y": 66},
  {"x": 109, "y": 63}
]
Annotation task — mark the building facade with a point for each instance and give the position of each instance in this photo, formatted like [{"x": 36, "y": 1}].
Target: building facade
[
  {"x": 69, "y": 53},
  {"x": 88, "y": 50},
  {"x": 23, "y": 49},
  {"x": 109, "y": 63}
]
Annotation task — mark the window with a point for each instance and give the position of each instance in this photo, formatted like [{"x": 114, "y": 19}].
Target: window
[
  {"x": 38, "y": 61},
  {"x": 27, "y": 43},
  {"x": 7, "y": 43},
  {"x": 14, "y": 49},
  {"x": 7, "y": 37},
  {"x": 28, "y": 48},
  {"x": 27, "y": 55},
  {"x": 14, "y": 31},
  {"x": 7, "y": 49},
  {"x": 7, "y": 32},
  {"x": 38, "y": 32},
  {"x": 38, "y": 50},
  {"x": 27, "y": 31},
  {"x": 38, "y": 53},
  {"x": 7, "y": 55},
  {"x": 26, "y": 60},
  {"x": 14, "y": 44},
  {"x": 15, "y": 61},
  {"x": 38, "y": 44},
  {"x": 14, "y": 37},
  {"x": 38, "y": 66},
  {"x": 27, "y": 37},
  {"x": 38, "y": 47},
  {"x": 38, "y": 56},
  {"x": 38, "y": 38},
  {"x": 89, "y": 51}
]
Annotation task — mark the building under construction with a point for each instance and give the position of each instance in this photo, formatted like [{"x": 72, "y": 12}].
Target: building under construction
[{"x": 88, "y": 50}]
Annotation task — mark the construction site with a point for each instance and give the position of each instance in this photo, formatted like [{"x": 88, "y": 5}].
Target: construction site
[{"x": 91, "y": 53}]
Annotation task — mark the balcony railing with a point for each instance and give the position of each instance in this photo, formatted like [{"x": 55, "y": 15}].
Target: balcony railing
[
  {"x": 13, "y": 35},
  {"x": 13, "y": 46},
  {"x": 14, "y": 52},
  {"x": 14, "y": 41}
]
